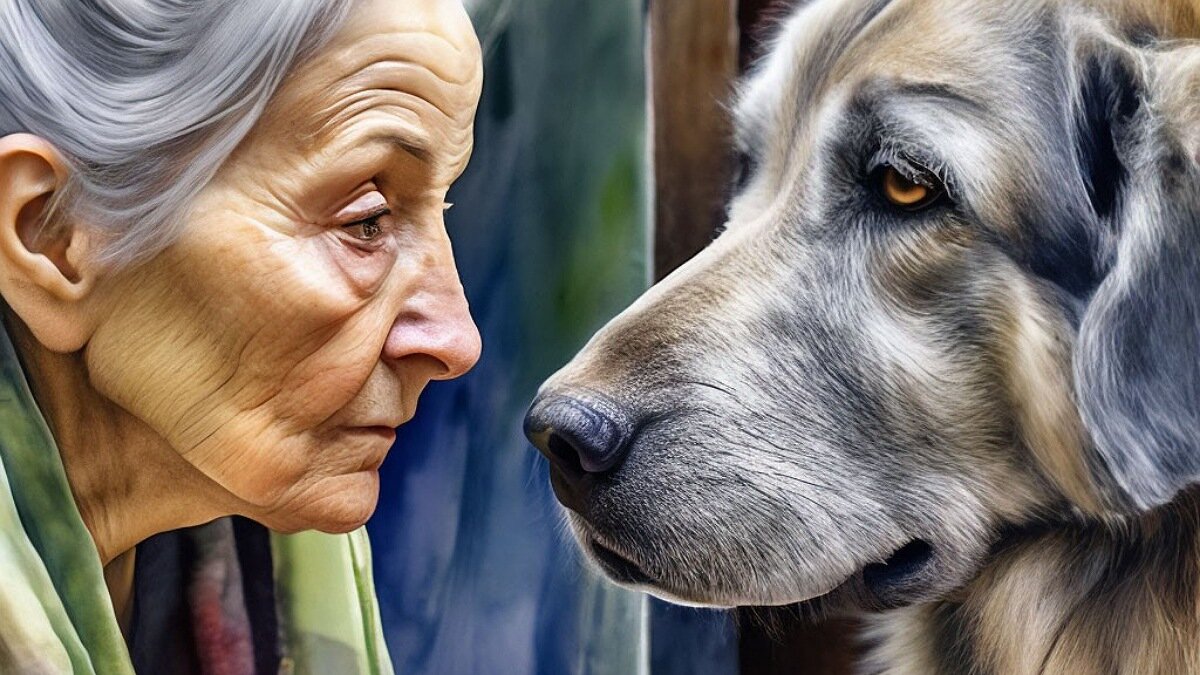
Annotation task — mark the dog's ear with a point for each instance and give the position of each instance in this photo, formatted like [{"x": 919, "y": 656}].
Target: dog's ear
[{"x": 1137, "y": 360}]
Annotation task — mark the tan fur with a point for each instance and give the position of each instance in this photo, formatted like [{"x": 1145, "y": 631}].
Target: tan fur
[
  {"x": 1037, "y": 366},
  {"x": 1179, "y": 99},
  {"x": 1179, "y": 18},
  {"x": 1121, "y": 599}
]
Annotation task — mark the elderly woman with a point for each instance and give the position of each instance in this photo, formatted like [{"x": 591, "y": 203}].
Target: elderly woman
[{"x": 226, "y": 281}]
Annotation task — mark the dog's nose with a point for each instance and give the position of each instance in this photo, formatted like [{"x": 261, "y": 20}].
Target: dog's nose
[{"x": 578, "y": 432}]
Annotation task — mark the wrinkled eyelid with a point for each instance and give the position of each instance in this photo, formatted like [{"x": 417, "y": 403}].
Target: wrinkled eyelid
[{"x": 368, "y": 204}]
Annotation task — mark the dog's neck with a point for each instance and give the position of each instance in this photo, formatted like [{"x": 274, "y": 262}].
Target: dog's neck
[{"x": 1088, "y": 598}]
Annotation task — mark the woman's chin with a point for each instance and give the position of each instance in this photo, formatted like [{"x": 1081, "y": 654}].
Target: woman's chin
[{"x": 335, "y": 505}]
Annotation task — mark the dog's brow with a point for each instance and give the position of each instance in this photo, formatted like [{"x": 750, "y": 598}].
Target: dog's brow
[{"x": 937, "y": 90}]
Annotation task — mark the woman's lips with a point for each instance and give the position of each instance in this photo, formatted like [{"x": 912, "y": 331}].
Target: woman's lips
[
  {"x": 379, "y": 429},
  {"x": 381, "y": 439}
]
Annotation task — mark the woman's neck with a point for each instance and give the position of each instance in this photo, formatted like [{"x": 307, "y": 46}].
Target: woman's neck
[
  {"x": 128, "y": 483},
  {"x": 118, "y": 576}
]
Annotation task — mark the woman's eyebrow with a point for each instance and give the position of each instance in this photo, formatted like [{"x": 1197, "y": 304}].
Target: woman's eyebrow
[{"x": 408, "y": 144}]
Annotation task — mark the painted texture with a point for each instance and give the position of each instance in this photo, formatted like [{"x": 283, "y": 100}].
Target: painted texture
[{"x": 474, "y": 570}]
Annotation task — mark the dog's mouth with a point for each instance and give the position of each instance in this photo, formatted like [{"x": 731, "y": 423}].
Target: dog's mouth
[
  {"x": 905, "y": 574},
  {"x": 909, "y": 575},
  {"x": 618, "y": 567}
]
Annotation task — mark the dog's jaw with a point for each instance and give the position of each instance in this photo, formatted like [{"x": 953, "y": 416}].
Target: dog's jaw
[{"x": 907, "y": 574}]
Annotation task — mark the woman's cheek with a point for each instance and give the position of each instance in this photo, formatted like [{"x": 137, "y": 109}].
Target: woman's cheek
[
  {"x": 206, "y": 335},
  {"x": 335, "y": 373},
  {"x": 362, "y": 267},
  {"x": 323, "y": 327}
]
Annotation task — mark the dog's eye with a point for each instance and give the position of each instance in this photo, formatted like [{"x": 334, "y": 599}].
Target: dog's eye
[
  {"x": 910, "y": 194},
  {"x": 743, "y": 170}
]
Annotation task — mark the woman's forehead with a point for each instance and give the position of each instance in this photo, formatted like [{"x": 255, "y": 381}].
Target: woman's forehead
[
  {"x": 445, "y": 19},
  {"x": 413, "y": 66}
]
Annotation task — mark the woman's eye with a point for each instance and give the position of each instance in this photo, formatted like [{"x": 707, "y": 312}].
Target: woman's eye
[
  {"x": 362, "y": 218},
  {"x": 367, "y": 229},
  {"x": 908, "y": 193}
]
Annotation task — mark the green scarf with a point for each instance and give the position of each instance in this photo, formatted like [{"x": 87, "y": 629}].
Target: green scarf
[{"x": 55, "y": 612}]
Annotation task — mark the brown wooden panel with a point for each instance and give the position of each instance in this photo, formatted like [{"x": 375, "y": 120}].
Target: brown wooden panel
[
  {"x": 791, "y": 647},
  {"x": 693, "y": 63}
]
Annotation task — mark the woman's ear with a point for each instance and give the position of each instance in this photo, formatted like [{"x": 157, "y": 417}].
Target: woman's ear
[{"x": 45, "y": 272}]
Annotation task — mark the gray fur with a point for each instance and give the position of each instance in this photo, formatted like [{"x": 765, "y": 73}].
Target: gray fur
[{"x": 1010, "y": 378}]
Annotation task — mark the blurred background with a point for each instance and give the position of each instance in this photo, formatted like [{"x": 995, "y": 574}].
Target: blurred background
[{"x": 558, "y": 224}]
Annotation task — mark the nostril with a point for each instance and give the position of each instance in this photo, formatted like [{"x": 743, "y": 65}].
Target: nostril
[
  {"x": 583, "y": 432},
  {"x": 564, "y": 452}
]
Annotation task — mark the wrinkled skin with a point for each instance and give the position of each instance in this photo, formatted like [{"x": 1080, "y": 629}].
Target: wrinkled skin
[
  {"x": 293, "y": 346},
  {"x": 260, "y": 364}
]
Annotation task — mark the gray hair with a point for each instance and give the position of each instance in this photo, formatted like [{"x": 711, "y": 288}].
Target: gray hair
[{"x": 146, "y": 99}]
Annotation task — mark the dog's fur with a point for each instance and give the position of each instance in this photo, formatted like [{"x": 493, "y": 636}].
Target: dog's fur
[{"x": 978, "y": 422}]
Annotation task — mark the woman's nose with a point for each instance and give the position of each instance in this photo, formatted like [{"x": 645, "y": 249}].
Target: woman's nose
[{"x": 437, "y": 323}]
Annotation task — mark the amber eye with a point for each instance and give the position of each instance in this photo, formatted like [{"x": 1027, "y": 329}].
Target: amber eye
[{"x": 906, "y": 193}]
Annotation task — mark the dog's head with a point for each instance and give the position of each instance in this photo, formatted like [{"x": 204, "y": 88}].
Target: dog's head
[{"x": 959, "y": 293}]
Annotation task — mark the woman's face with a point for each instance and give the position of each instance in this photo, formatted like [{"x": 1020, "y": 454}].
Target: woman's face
[{"x": 313, "y": 295}]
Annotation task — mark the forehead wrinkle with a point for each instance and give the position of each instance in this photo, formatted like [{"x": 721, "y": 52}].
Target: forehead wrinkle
[
  {"x": 402, "y": 77},
  {"x": 414, "y": 57},
  {"x": 375, "y": 146},
  {"x": 446, "y": 152},
  {"x": 422, "y": 125},
  {"x": 394, "y": 74},
  {"x": 449, "y": 62},
  {"x": 435, "y": 128}
]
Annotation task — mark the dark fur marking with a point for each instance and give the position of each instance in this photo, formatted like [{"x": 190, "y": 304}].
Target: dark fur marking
[
  {"x": 1108, "y": 97},
  {"x": 952, "y": 635},
  {"x": 1064, "y": 249}
]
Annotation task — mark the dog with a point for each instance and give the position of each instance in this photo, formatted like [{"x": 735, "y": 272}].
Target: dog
[{"x": 942, "y": 366}]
